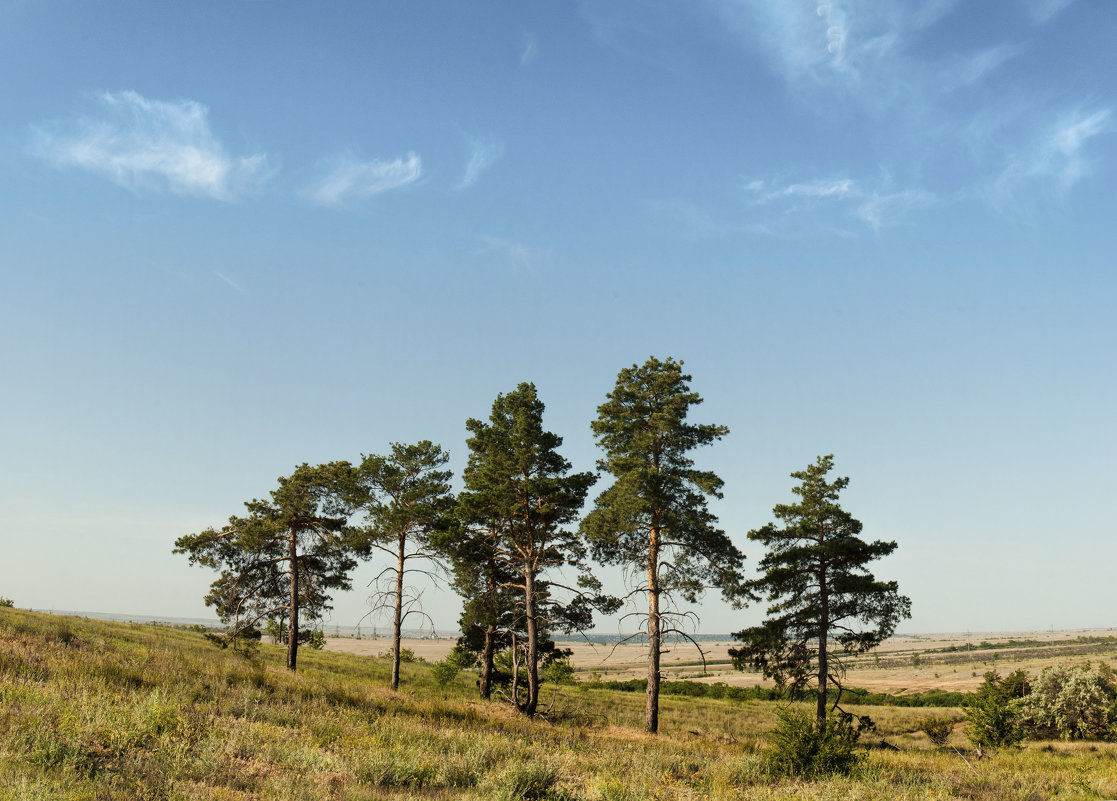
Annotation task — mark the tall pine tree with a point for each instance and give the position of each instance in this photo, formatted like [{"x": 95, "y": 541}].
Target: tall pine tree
[
  {"x": 825, "y": 604},
  {"x": 406, "y": 498},
  {"x": 520, "y": 499},
  {"x": 284, "y": 557},
  {"x": 654, "y": 519}
]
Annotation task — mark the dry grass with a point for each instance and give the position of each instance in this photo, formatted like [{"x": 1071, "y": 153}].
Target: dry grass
[{"x": 96, "y": 710}]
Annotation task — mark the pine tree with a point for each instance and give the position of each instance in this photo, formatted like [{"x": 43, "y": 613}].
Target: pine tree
[
  {"x": 520, "y": 499},
  {"x": 484, "y": 582},
  {"x": 825, "y": 604},
  {"x": 406, "y": 499},
  {"x": 284, "y": 556},
  {"x": 654, "y": 519}
]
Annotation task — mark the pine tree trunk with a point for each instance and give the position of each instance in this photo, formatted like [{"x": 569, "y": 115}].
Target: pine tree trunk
[
  {"x": 532, "y": 646},
  {"x": 487, "y": 663},
  {"x": 823, "y": 657},
  {"x": 397, "y": 622},
  {"x": 293, "y": 621},
  {"x": 651, "y": 701}
]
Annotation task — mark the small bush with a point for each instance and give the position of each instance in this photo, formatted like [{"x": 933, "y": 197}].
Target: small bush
[
  {"x": 7, "y": 603},
  {"x": 991, "y": 722},
  {"x": 528, "y": 781},
  {"x": 799, "y": 748},
  {"x": 406, "y": 655},
  {"x": 445, "y": 671},
  {"x": 392, "y": 769},
  {"x": 560, "y": 671},
  {"x": 1070, "y": 703},
  {"x": 937, "y": 729}
]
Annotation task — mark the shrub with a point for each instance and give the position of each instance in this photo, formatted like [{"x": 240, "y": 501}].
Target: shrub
[
  {"x": 991, "y": 722},
  {"x": 317, "y": 640},
  {"x": 6, "y": 602},
  {"x": 560, "y": 671},
  {"x": 463, "y": 657},
  {"x": 445, "y": 671},
  {"x": 1069, "y": 702},
  {"x": 528, "y": 781},
  {"x": 406, "y": 655},
  {"x": 937, "y": 729},
  {"x": 799, "y": 748}
]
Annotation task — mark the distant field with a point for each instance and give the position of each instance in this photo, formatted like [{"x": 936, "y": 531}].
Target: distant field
[{"x": 910, "y": 663}]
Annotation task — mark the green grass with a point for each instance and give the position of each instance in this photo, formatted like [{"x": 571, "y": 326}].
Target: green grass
[{"x": 96, "y": 710}]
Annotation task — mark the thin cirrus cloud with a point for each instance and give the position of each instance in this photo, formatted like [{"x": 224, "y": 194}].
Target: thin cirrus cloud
[
  {"x": 1054, "y": 161},
  {"x": 519, "y": 256},
  {"x": 1043, "y": 10},
  {"x": 835, "y": 200},
  {"x": 150, "y": 145},
  {"x": 483, "y": 153},
  {"x": 529, "y": 49},
  {"x": 764, "y": 193},
  {"x": 859, "y": 50},
  {"x": 348, "y": 179}
]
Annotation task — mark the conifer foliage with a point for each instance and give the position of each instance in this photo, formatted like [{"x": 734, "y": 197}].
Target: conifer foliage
[
  {"x": 284, "y": 557},
  {"x": 519, "y": 501},
  {"x": 654, "y": 520},
  {"x": 406, "y": 498},
  {"x": 825, "y": 603}
]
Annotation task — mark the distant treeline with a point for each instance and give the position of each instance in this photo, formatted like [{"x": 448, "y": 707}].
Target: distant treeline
[
  {"x": 851, "y": 695},
  {"x": 985, "y": 645}
]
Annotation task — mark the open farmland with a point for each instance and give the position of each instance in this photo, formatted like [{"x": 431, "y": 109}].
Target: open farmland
[{"x": 903, "y": 664}]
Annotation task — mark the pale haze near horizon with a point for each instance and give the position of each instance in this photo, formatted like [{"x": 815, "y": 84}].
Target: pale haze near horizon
[{"x": 241, "y": 240}]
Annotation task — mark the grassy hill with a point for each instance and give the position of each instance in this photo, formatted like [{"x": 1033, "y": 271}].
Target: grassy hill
[{"x": 98, "y": 710}]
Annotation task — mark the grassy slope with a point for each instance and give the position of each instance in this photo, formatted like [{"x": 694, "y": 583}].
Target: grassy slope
[{"x": 96, "y": 710}]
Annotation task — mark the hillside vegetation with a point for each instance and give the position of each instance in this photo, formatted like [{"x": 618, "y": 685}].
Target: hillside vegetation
[{"x": 98, "y": 710}]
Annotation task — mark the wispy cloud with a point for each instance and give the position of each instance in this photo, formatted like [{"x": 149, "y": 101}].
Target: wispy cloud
[
  {"x": 521, "y": 257},
  {"x": 228, "y": 280},
  {"x": 859, "y": 51},
  {"x": 879, "y": 210},
  {"x": 834, "y": 199},
  {"x": 840, "y": 188},
  {"x": 347, "y": 179},
  {"x": 150, "y": 145},
  {"x": 1055, "y": 159},
  {"x": 689, "y": 218},
  {"x": 529, "y": 49},
  {"x": 1042, "y": 11},
  {"x": 482, "y": 154}
]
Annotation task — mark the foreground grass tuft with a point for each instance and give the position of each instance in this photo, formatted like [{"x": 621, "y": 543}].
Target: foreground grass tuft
[{"x": 94, "y": 711}]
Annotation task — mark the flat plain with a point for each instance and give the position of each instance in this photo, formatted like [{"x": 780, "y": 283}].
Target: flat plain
[{"x": 954, "y": 662}]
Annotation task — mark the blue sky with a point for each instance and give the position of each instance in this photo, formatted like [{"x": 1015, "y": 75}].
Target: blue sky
[{"x": 241, "y": 236}]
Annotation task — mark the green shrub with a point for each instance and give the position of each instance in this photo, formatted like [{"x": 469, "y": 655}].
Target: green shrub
[
  {"x": 528, "y": 781},
  {"x": 394, "y": 769},
  {"x": 937, "y": 729},
  {"x": 560, "y": 671},
  {"x": 406, "y": 655},
  {"x": 1069, "y": 702},
  {"x": 445, "y": 671},
  {"x": 991, "y": 722},
  {"x": 7, "y": 603},
  {"x": 799, "y": 748}
]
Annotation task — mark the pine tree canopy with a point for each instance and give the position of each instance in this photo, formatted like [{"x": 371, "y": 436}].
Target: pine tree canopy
[
  {"x": 643, "y": 430},
  {"x": 821, "y": 593},
  {"x": 285, "y": 556}
]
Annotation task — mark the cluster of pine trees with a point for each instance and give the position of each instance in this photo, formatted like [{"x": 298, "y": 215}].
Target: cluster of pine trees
[{"x": 514, "y": 533}]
